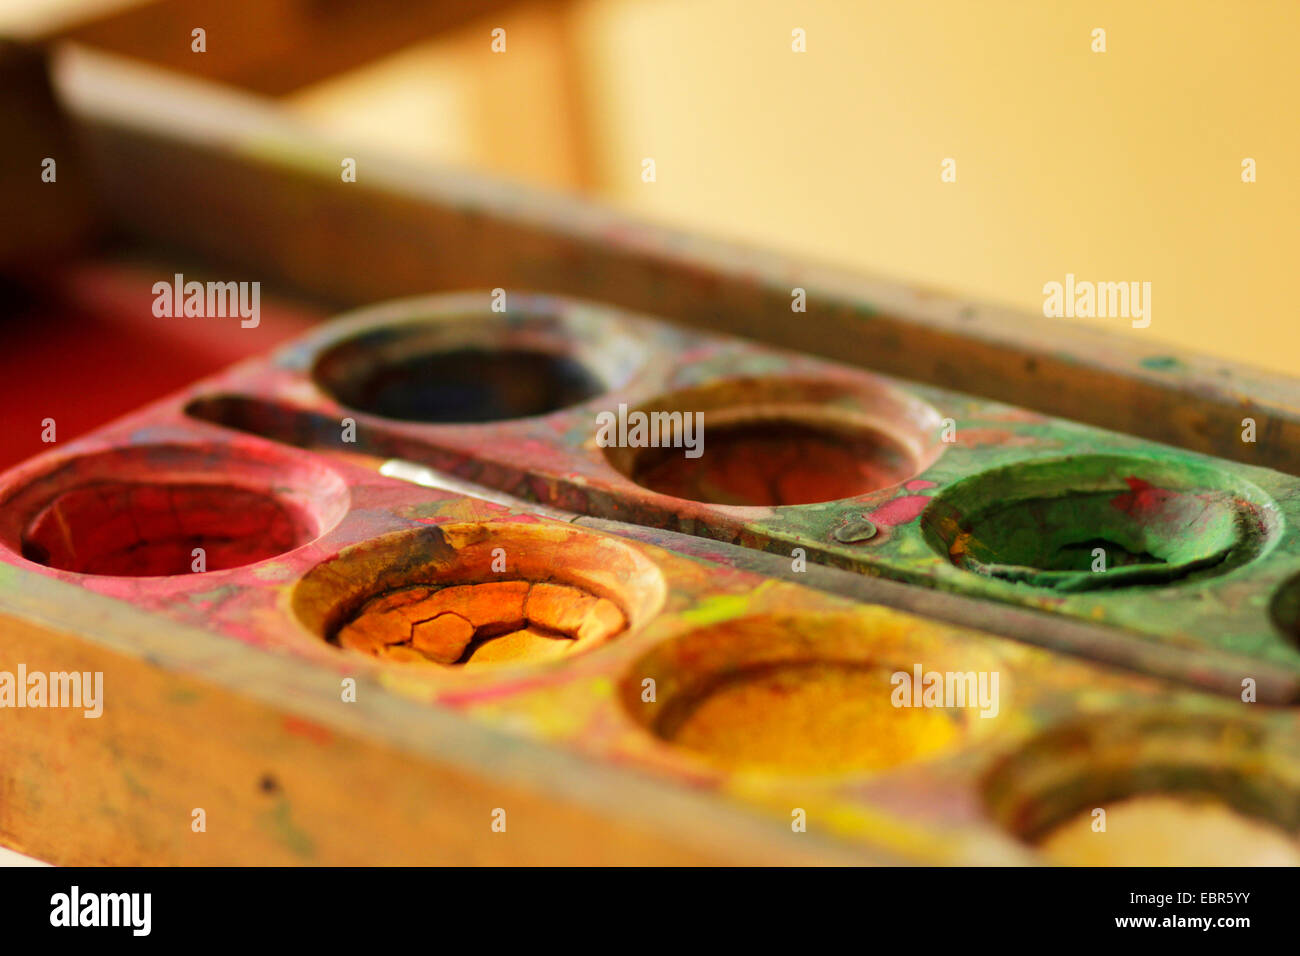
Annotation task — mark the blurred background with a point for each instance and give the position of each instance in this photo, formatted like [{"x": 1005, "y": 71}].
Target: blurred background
[
  {"x": 1122, "y": 165},
  {"x": 1116, "y": 165}
]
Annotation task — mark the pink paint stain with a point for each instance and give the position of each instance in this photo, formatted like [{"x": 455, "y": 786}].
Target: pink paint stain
[
  {"x": 900, "y": 510},
  {"x": 1142, "y": 499},
  {"x": 920, "y": 484}
]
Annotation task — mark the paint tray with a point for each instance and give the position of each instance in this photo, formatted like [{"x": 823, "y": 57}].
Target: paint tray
[
  {"x": 360, "y": 669},
  {"x": 1171, "y": 562}
]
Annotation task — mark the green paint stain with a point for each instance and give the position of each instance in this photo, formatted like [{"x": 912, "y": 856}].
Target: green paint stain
[
  {"x": 136, "y": 787},
  {"x": 271, "y": 571},
  {"x": 280, "y": 822},
  {"x": 216, "y": 595},
  {"x": 1161, "y": 363}
]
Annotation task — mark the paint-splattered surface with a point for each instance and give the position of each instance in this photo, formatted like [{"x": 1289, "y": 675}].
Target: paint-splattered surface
[
  {"x": 957, "y": 493},
  {"x": 757, "y": 691}
]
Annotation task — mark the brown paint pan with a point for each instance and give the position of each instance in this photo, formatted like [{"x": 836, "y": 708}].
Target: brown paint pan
[{"x": 470, "y": 595}]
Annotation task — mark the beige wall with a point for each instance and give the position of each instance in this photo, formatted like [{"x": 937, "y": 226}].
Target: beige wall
[{"x": 1123, "y": 165}]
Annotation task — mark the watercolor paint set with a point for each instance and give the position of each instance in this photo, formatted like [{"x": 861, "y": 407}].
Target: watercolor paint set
[
  {"x": 800, "y": 456},
  {"x": 505, "y": 577}
]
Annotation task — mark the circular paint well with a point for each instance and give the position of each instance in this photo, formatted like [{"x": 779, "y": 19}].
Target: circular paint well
[
  {"x": 453, "y": 361},
  {"x": 437, "y": 598},
  {"x": 1170, "y": 831},
  {"x": 161, "y": 510},
  {"x": 1284, "y": 609},
  {"x": 774, "y": 442},
  {"x": 1092, "y": 522},
  {"x": 142, "y": 529},
  {"x": 482, "y": 623},
  {"x": 814, "y": 718},
  {"x": 801, "y": 694},
  {"x": 772, "y": 462},
  {"x": 468, "y": 385},
  {"x": 1152, "y": 788}
]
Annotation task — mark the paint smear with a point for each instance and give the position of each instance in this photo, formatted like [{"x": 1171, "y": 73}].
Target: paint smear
[{"x": 900, "y": 510}]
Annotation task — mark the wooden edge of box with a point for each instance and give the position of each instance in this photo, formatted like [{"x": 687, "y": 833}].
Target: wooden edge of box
[
  {"x": 287, "y": 772},
  {"x": 227, "y": 175}
]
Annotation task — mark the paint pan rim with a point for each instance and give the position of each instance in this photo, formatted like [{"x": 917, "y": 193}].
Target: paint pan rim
[
  {"x": 865, "y": 424},
  {"x": 692, "y": 665},
  {"x": 310, "y": 494},
  {"x": 959, "y": 508},
  {"x": 573, "y": 356},
  {"x": 459, "y": 554}
]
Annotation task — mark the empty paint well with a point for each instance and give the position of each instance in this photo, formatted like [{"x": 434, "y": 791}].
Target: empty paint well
[
  {"x": 465, "y": 368},
  {"x": 1169, "y": 789},
  {"x": 469, "y": 385},
  {"x": 1284, "y": 609},
  {"x": 800, "y": 694},
  {"x": 1099, "y": 521},
  {"x": 774, "y": 442},
  {"x": 1170, "y": 831},
  {"x": 475, "y": 595},
  {"x": 160, "y": 510}
]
